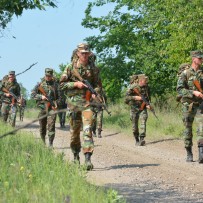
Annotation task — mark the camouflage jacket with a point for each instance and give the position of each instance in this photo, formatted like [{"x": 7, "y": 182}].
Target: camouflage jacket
[
  {"x": 185, "y": 85},
  {"x": 51, "y": 89},
  {"x": 13, "y": 87},
  {"x": 77, "y": 97},
  {"x": 130, "y": 94}
]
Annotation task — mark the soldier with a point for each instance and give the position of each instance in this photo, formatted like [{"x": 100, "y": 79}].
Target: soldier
[
  {"x": 190, "y": 91},
  {"x": 22, "y": 105},
  {"x": 138, "y": 88},
  {"x": 79, "y": 101},
  {"x": 98, "y": 114},
  {"x": 10, "y": 91},
  {"x": 46, "y": 93},
  {"x": 62, "y": 106}
]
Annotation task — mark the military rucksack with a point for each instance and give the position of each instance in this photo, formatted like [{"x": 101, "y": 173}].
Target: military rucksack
[{"x": 184, "y": 67}]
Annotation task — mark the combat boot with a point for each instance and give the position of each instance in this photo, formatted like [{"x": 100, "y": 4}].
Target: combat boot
[
  {"x": 76, "y": 157},
  {"x": 142, "y": 141},
  {"x": 99, "y": 133},
  {"x": 89, "y": 165},
  {"x": 189, "y": 154},
  {"x": 200, "y": 149},
  {"x": 51, "y": 139},
  {"x": 94, "y": 133},
  {"x": 137, "y": 141}
]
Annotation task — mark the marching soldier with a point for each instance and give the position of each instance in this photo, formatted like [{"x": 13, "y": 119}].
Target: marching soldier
[
  {"x": 22, "y": 105},
  {"x": 189, "y": 88},
  {"x": 10, "y": 92},
  {"x": 46, "y": 93},
  {"x": 79, "y": 100},
  {"x": 138, "y": 90}
]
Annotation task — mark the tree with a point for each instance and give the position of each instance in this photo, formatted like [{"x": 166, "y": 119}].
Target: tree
[
  {"x": 141, "y": 36},
  {"x": 8, "y": 8}
]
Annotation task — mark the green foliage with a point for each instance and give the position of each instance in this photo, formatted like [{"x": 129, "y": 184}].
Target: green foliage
[
  {"x": 140, "y": 36},
  {"x": 9, "y": 8},
  {"x": 31, "y": 172}
]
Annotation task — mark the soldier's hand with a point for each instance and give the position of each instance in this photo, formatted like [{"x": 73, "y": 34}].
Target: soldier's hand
[
  {"x": 44, "y": 98},
  {"x": 138, "y": 98},
  {"x": 149, "y": 107},
  {"x": 93, "y": 96},
  {"x": 79, "y": 85},
  {"x": 7, "y": 94},
  {"x": 198, "y": 94}
]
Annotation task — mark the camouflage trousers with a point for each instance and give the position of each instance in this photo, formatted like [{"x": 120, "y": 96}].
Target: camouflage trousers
[
  {"x": 47, "y": 123},
  {"x": 189, "y": 112},
  {"x": 136, "y": 117},
  {"x": 77, "y": 119},
  {"x": 9, "y": 112},
  {"x": 21, "y": 112},
  {"x": 98, "y": 120},
  {"x": 62, "y": 118}
]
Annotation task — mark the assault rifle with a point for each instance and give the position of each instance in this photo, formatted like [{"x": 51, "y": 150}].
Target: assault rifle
[
  {"x": 145, "y": 102},
  {"x": 50, "y": 103},
  {"x": 14, "y": 97},
  {"x": 91, "y": 90},
  {"x": 198, "y": 86}
]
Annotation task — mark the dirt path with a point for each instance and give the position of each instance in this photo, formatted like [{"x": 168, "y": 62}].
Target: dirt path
[{"x": 156, "y": 172}]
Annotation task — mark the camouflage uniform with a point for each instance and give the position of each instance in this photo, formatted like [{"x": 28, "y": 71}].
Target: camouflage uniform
[
  {"x": 136, "y": 113},
  {"x": 82, "y": 113},
  {"x": 190, "y": 105},
  {"x": 9, "y": 104},
  {"x": 0, "y": 98},
  {"x": 98, "y": 115},
  {"x": 62, "y": 115},
  {"x": 21, "y": 106},
  {"x": 51, "y": 89}
]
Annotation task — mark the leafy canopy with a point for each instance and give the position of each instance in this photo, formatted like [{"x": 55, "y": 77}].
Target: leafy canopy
[{"x": 141, "y": 36}]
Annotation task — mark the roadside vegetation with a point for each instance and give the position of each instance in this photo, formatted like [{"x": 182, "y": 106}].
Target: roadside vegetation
[{"x": 31, "y": 172}]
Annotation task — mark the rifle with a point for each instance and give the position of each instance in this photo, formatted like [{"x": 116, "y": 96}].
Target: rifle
[
  {"x": 91, "y": 90},
  {"x": 50, "y": 103},
  {"x": 199, "y": 88},
  {"x": 14, "y": 97},
  {"x": 145, "y": 102}
]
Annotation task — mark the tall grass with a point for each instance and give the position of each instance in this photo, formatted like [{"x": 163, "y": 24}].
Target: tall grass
[{"x": 31, "y": 172}]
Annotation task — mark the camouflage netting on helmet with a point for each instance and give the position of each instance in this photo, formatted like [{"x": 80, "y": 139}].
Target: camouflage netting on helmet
[{"x": 133, "y": 79}]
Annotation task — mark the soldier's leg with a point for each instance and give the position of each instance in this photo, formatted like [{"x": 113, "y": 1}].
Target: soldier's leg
[
  {"x": 94, "y": 124},
  {"x": 42, "y": 125},
  {"x": 51, "y": 120},
  {"x": 143, "y": 121},
  {"x": 188, "y": 118},
  {"x": 134, "y": 114},
  {"x": 99, "y": 122},
  {"x": 199, "y": 119},
  {"x": 88, "y": 143},
  {"x": 22, "y": 111},
  {"x": 60, "y": 118},
  {"x": 75, "y": 125},
  {"x": 12, "y": 115},
  {"x": 63, "y": 118},
  {"x": 5, "y": 111}
]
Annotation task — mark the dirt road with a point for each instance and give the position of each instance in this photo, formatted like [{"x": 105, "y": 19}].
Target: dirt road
[{"x": 156, "y": 172}]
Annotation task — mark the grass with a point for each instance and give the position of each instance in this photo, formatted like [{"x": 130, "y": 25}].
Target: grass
[{"x": 31, "y": 172}]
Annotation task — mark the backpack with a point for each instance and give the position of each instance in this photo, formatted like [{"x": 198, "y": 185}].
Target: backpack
[{"x": 184, "y": 67}]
